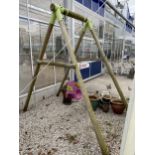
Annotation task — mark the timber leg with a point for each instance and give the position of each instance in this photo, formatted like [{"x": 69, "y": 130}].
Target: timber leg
[
  {"x": 50, "y": 28},
  {"x": 91, "y": 113},
  {"x": 104, "y": 59},
  {"x": 76, "y": 49}
]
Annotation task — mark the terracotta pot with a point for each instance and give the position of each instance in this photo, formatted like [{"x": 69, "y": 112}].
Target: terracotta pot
[
  {"x": 92, "y": 97},
  {"x": 114, "y": 98},
  {"x": 117, "y": 106}
]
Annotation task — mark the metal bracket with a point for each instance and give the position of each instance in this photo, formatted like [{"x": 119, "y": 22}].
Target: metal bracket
[
  {"x": 89, "y": 24},
  {"x": 53, "y": 18},
  {"x": 57, "y": 13}
]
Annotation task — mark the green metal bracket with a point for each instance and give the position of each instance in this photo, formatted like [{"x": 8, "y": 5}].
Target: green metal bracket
[
  {"x": 58, "y": 13},
  {"x": 53, "y": 18},
  {"x": 89, "y": 24},
  {"x": 63, "y": 9}
]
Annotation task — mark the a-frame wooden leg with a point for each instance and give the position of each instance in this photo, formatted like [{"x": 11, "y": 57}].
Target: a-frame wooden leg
[
  {"x": 91, "y": 113},
  {"x": 76, "y": 49},
  {"x": 50, "y": 28},
  {"x": 104, "y": 59}
]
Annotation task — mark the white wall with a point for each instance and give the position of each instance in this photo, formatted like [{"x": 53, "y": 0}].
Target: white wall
[{"x": 128, "y": 139}]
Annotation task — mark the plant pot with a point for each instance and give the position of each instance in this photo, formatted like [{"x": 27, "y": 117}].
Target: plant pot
[
  {"x": 104, "y": 107},
  {"x": 67, "y": 100},
  {"x": 94, "y": 102},
  {"x": 104, "y": 104},
  {"x": 117, "y": 106},
  {"x": 114, "y": 98},
  {"x": 106, "y": 98}
]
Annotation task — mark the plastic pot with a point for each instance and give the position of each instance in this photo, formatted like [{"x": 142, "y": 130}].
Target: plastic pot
[
  {"x": 94, "y": 102},
  {"x": 104, "y": 104},
  {"x": 67, "y": 100},
  {"x": 104, "y": 107}
]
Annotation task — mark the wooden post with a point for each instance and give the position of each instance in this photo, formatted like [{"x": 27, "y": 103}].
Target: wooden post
[
  {"x": 50, "y": 28},
  {"x": 91, "y": 113},
  {"x": 76, "y": 49},
  {"x": 104, "y": 59}
]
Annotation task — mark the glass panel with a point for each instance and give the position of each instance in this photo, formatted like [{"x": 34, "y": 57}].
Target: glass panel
[
  {"x": 101, "y": 27},
  {"x": 59, "y": 43},
  {"x": 25, "y": 73},
  {"x": 96, "y": 29},
  {"x": 46, "y": 74},
  {"x": 101, "y": 6},
  {"x": 79, "y": 9},
  {"x": 39, "y": 15},
  {"x": 80, "y": 1},
  {"x": 86, "y": 51},
  {"x": 60, "y": 2},
  {"x": 87, "y": 3},
  {"x": 88, "y": 34},
  {"x": 94, "y": 50},
  {"x": 22, "y": 8},
  {"x": 60, "y": 53},
  {"x": 95, "y": 24},
  {"x": 78, "y": 27},
  {"x": 45, "y": 4},
  {"x": 36, "y": 40},
  {"x": 80, "y": 50},
  {"x": 95, "y": 5}
]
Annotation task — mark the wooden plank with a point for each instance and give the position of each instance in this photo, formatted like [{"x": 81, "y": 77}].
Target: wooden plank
[{"x": 59, "y": 64}]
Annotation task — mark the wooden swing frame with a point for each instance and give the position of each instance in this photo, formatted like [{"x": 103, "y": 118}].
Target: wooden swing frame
[{"x": 58, "y": 12}]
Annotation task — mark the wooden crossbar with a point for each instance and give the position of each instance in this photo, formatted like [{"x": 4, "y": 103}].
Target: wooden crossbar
[
  {"x": 69, "y": 13},
  {"x": 59, "y": 64}
]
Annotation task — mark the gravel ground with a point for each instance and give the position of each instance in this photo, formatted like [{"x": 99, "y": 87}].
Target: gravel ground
[{"x": 52, "y": 128}]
